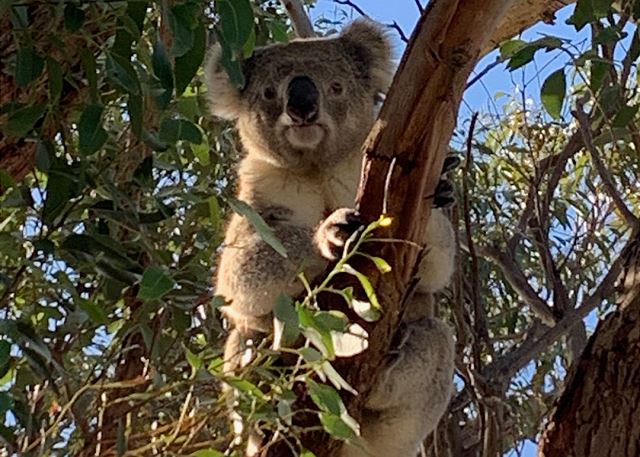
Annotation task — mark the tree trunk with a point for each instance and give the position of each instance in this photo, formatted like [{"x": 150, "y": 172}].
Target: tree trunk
[{"x": 597, "y": 414}]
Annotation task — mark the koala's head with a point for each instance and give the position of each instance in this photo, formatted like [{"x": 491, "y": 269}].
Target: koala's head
[{"x": 309, "y": 102}]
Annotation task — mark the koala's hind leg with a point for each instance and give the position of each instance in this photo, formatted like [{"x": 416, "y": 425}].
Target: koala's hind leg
[{"x": 412, "y": 394}]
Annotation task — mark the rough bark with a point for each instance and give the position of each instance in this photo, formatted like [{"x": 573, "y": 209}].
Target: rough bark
[{"x": 597, "y": 414}]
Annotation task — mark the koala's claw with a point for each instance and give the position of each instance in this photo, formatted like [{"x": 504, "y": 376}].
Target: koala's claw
[
  {"x": 335, "y": 230},
  {"x": 444, "y": 195},
  {"x": 450, "y": 163}
]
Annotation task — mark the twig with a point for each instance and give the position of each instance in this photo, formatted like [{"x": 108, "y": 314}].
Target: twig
[
  {"x": 605, "y": 175},
  {"x": 299, "y": 18},
  {"x": 352, "y": 5},
  {"x": 484, "y": 71},
  {"x": 419, "y": 5},
  {"x": 478, "y": 311},
  {"x": 508, "y": 366},
  {"x": 403, "y": 36},
  {"x": 516, "y": 278}
]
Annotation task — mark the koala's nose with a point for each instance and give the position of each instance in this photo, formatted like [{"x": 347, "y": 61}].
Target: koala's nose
[{"x": 302, "y": 105}]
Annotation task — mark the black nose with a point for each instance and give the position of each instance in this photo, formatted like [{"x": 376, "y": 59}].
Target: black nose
[{"x": 302, "y": 104}]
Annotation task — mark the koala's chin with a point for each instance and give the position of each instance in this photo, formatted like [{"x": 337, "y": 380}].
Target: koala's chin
[{"x": 305, "y": 136}]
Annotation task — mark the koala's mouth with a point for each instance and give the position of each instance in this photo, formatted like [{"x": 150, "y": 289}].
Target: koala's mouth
[{"x": 305, "y": 136}]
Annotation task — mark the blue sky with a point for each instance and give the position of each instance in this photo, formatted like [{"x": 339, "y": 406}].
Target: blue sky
[{"x": 481, "y": 95}]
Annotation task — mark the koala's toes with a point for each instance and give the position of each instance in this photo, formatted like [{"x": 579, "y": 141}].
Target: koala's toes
[
  {"x": 450, "y": 163},
  {"x": 335, "y": 230},
  {"x": 444, "y": 195}
]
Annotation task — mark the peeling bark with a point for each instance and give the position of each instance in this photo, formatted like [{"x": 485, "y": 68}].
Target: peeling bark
[{"x": 597, "y": 414}]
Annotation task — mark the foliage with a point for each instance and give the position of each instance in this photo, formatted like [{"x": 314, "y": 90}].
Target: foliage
[
  {"x": 109, "y": 334},
  {"x": 107, "y": 244}
]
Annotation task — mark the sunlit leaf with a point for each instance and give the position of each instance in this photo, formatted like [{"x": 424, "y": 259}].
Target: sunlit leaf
[{"x": 553, "y": 93}]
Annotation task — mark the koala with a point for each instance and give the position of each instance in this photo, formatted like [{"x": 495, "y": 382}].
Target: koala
[{"x": 302, "y": 116}]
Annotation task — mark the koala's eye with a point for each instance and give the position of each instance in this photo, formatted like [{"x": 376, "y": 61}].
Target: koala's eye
[
  {"x": 336, "y": 88},
  {"x": 269, "y": 93}
]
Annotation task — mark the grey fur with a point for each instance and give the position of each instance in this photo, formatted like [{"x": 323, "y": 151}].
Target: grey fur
[{"x": 296, "y": 176}]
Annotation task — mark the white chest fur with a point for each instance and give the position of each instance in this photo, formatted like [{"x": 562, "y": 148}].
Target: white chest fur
[{"x": 309, "y": 197}]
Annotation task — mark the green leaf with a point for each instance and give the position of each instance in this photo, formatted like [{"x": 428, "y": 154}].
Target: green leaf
[
  {"x": 230, "y": 62},
  {"x": 207, "y": 453},
  {"x": 381, "y": 264},
  {"x": 73, "y": 17},
  {"x": 509, "y": 48},
  {"x": 163, "y": 71},
  {"x": 129, "y": 27},
  {"x": 286, "y": 313},
  {"x": 96, "y": 313},
  {"x": 522, "y": 54},
  {"x": 187, "y": 65},
  {"x": 174, "y": 130},
  {"x": 89, "y": 67},
  {"x": 195, "y": 361},
  {"x": 310, "y": 355},
  {"x": 29, "y": 66},
  {"x": 202, "y": 151},
  {"x": 91, "y": 133},
  {"x": 155, "y": 284},
  {"x": 624, "y": 116},
  {"x": 261, "y": 227},
  {"x": 6, "y": 402},
  {"x": 582, "y": 14},
  {"x": 44, "y": 152},
  {"x": 278, "y": 30},
  {"x": 5, "y": 352},
  {"x": 54, "y": 72},
  {"x": 236, "y": 22},
  {"x": 365, "y": 283},
  {"x": 601, "y": 7},
  {"x": 336, "y": 427},
  {"x": 609, "y": 35},
  {"x": 553, "y": 93},
  {"x": 122, "y": 73},
  {"x": 599, "y": 70},
  {"x": 64, "y": 182},
  {"x": 135, "y": 108},
  {"x": 183, "y": 19},
  {"x": 325, "y": 397},
  {"x": 22, "y": 121}
]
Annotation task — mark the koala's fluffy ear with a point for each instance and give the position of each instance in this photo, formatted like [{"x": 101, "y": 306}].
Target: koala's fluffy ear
[
  {"x": 224, "y": 97},
  {"x": 368, "y": 43}
]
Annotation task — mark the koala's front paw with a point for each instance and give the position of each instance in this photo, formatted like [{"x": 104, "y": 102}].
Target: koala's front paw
[
  {"x": 444, "y": 195},
  {"x": 334, "y": 231}
]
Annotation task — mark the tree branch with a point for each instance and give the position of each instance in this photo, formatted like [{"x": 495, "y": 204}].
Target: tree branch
[
  {"x": 299, "y": 18},
  {"x": 607, "y": 180},
  {"x": 505, "y": 368},
  {"x": 516, "y": 279}
]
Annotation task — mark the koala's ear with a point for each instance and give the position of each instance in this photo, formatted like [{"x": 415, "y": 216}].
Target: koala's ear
[
  {"x": 369, "y": 44},
  {"x": 224, "y": 97}
]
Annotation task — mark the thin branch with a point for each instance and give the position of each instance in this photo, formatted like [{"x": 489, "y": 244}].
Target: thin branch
[
  {"x": 504, "y": 369},
  {"x": 499, "y": 60},
  {"x": 350, "y": 4},
  {"x": 419, "y": 5},
  {"x": 299, "y": 18},
  {"x": 605, "y": 175},
  {"x": 397, "y": 27},
  {"x": 478, "y": 311},
  {"x": 516, "y": 278}
]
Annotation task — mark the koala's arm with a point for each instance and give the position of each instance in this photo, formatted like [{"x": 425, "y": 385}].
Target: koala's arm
[
  {"x": 251, "y": 274},
  {"x": 437, "y": 265}
]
